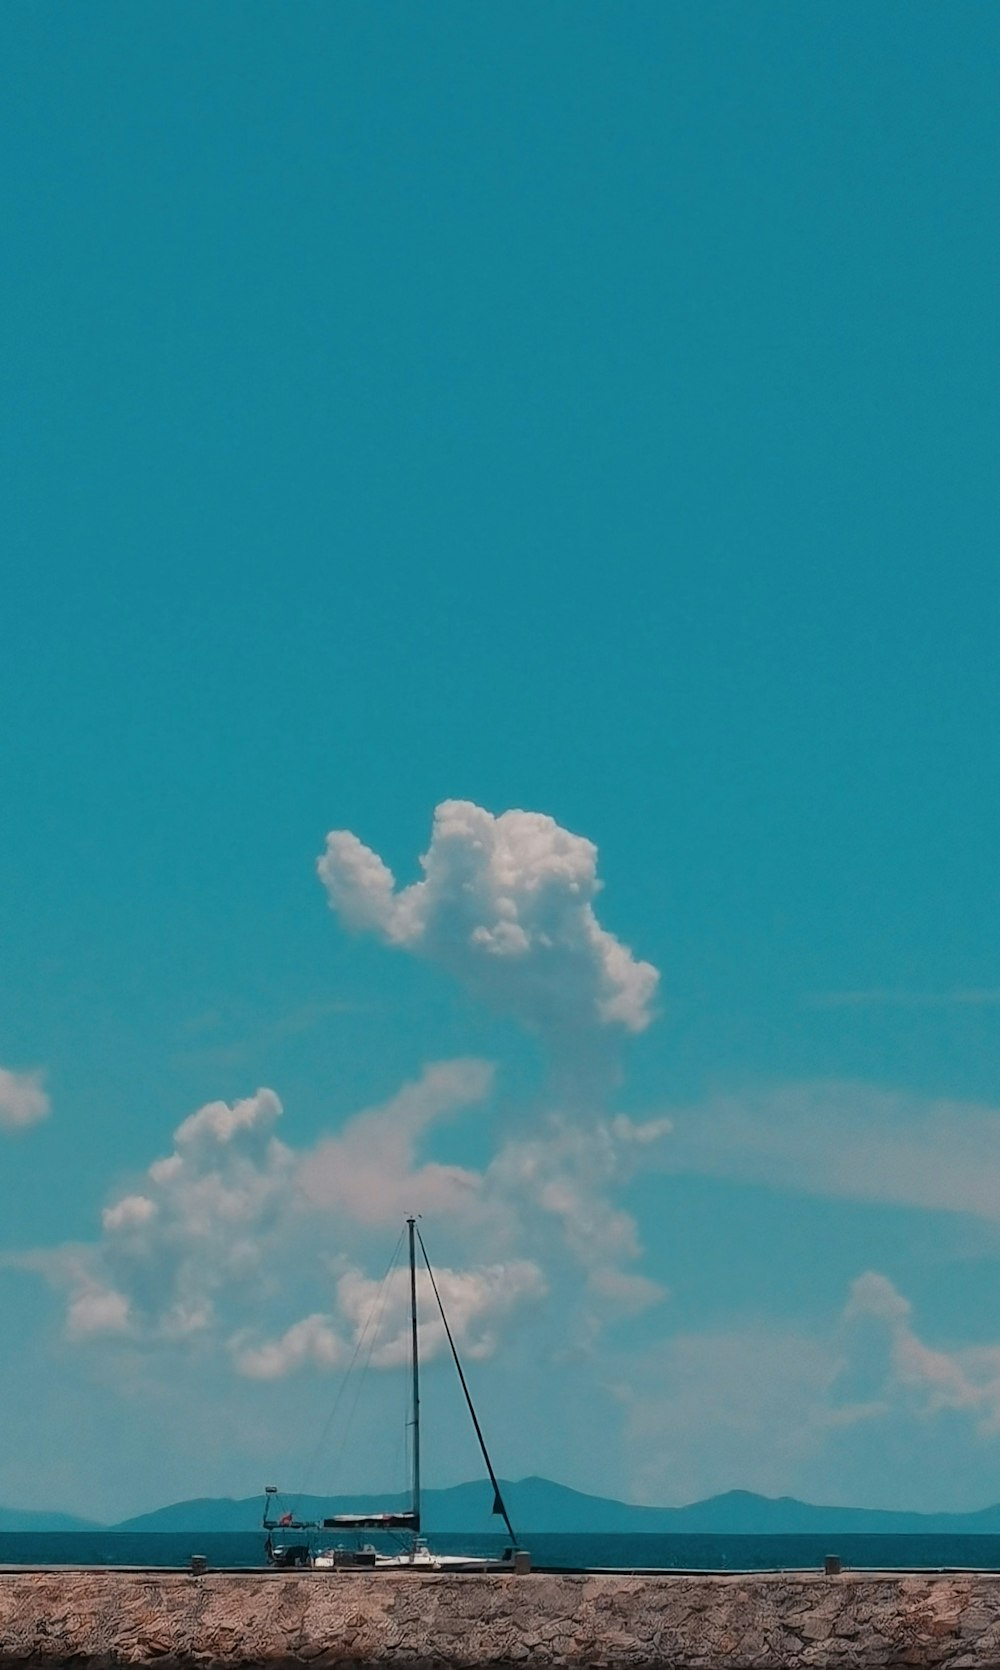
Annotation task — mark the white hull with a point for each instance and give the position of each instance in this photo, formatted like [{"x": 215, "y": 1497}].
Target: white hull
[{"x": 417, "y": 1558}]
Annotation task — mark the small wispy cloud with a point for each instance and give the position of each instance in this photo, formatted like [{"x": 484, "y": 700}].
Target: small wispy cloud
[
  {"x": 887, "y": 997},
  {"x": 23, "y": 1100},
  {"x": 230, "y": 1038},
  {"x": 847, "y": 1139}
]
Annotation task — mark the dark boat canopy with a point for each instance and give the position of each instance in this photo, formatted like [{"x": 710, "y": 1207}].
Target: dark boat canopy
[{"x": 372, "y": 1522}]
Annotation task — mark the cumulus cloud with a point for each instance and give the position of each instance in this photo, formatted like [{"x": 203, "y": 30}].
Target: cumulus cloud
[
  {"x": 370, "y": 1312},
  {"x": 927, "y": 1378},
  {"x": 311, "y": 1342},
  {"x": 370, "y": 1170},
  {"x": 94, "y": 1306},
  {"x": 23, "y": 1100},
  {"x": 547, "y": 1195},
  {"x": 129, "y": 1212},
  {"x": 237, "y": 1243},
  {"x": 199, "y": 1225},
  {"x": 96, "y": 1310},
  {"x": 507, "y": 905},
  {"x": 545, "y": 1198},
  {"x": 874, "y": 1295},
  {"x": 474, "y": 1300},
  {"x": 566, "y": 1175}
]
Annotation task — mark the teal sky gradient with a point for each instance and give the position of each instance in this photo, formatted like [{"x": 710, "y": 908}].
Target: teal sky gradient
[{"x": 582, "y": 408}]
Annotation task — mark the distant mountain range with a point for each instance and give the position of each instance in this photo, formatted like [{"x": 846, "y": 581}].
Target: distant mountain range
[
  {"x": 24, "y": 1519},
  {"x": 539, "y": 1505}
]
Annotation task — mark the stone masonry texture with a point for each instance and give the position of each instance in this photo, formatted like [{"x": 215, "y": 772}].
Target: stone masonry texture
[{"x": 94, "y": 1620}]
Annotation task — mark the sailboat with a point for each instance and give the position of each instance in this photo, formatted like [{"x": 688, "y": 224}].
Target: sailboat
[{"x": 414, "y": 1553}]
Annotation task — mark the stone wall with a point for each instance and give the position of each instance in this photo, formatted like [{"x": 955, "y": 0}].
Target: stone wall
[{"x": 99, "y": 1619}]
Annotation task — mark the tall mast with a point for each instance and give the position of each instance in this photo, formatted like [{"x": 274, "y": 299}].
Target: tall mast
[{"x": 415, "y": 1362}]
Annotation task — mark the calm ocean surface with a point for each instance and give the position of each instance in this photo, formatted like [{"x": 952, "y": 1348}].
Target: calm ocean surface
[{"x": 670, "y": 1553}]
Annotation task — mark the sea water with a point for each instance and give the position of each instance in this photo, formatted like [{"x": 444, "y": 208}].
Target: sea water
[{"x": 243, "y": 1550}]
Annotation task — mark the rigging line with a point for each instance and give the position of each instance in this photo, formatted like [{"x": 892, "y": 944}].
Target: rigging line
[
  {"x": 311, "y": 1468},
  {"x": 377, "y": 1312},
  {"x": 373, "y": 1322},
  {"x": 498, "y": 1501}
]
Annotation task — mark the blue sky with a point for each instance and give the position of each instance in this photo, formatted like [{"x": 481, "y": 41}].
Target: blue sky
[{"x": 576, "y": 410}]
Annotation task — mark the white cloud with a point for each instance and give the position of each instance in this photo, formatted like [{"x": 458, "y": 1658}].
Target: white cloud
[
  {"x": 233, "y": 1230},
  {"x": 313, "y": 1342},
  {"x": 129, "y": 1212},
  {"x": 216, "y": 1124},
  {"x": 95, "y": 1310},
  {"x": 543, "y": 1196},
  {"x": 237, "y": 1246},
  {"x": 370, "y": 1172},
  {"x": 546, "y": 1192},
  {"x": 874, "y": 1295},
  {"x": 200, "y": 1226},
  {"x": 377, "y": 1315},
  {"x": 643, "y": 1134},
  {"x": 928, "y": 1378},
  {"x": 566, "y": 1174},
  {"x": 474, "y": 1301},
  {"x": 505, "y": 904},
  {"x": 847, "y": 1139},
  {"x": 23, "y": 1100}
]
